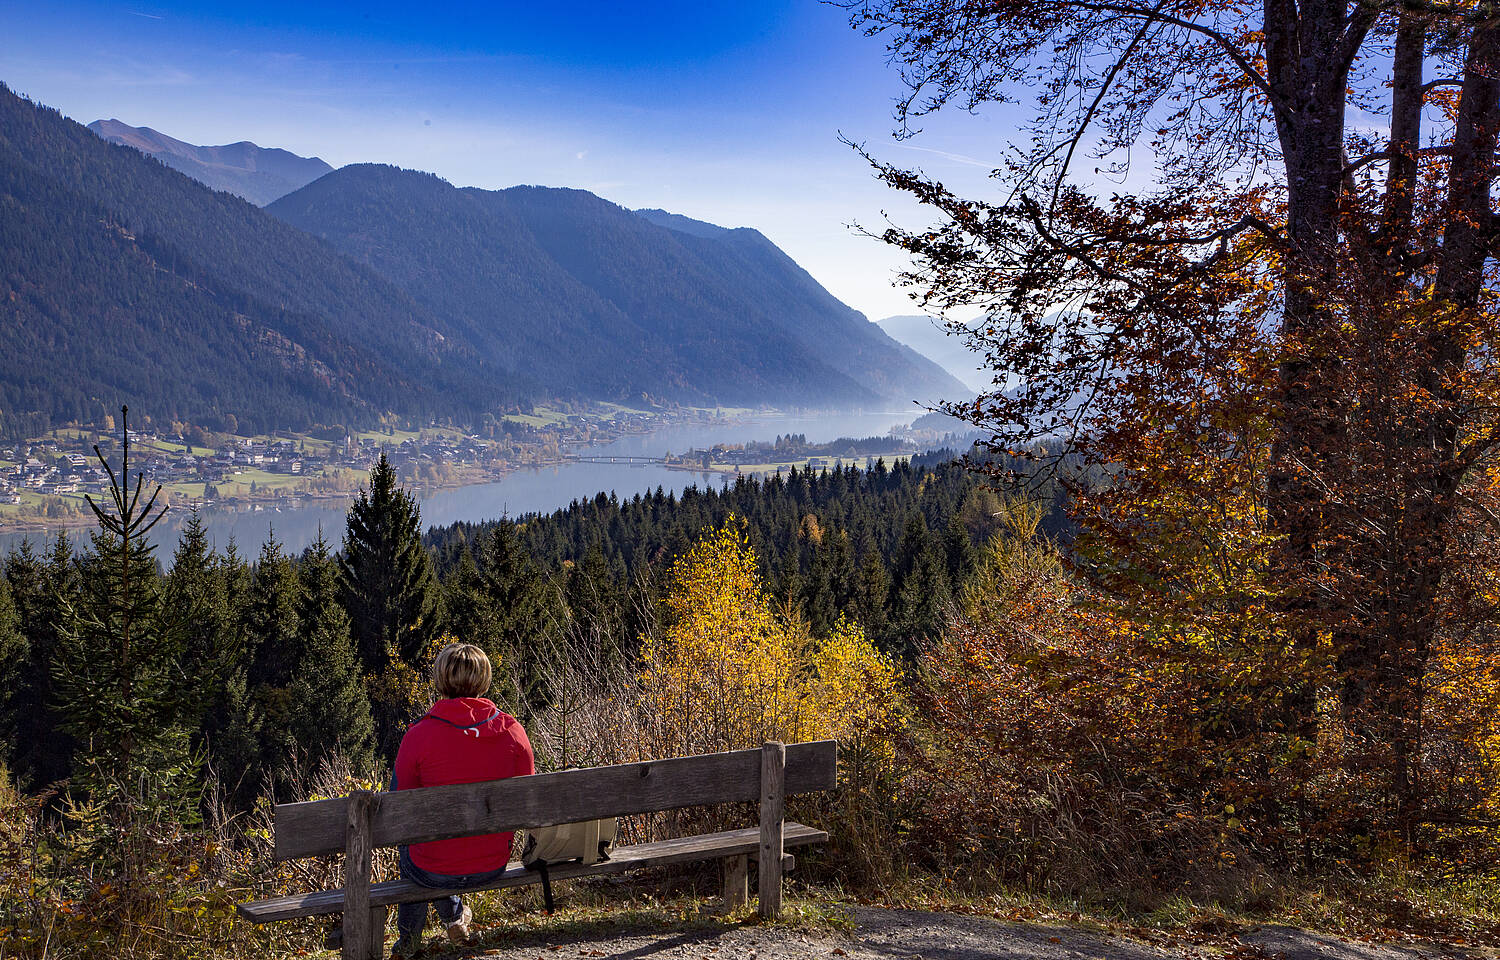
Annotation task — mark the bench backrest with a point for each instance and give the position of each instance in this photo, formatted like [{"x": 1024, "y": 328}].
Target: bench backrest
[{"x": 319, "y": 827}]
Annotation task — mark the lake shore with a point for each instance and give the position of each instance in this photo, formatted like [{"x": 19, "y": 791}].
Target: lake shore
[{"x": 476, "y": 494}]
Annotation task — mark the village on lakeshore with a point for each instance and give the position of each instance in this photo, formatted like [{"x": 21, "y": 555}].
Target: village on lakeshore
[{"x": 43, "y": 480}]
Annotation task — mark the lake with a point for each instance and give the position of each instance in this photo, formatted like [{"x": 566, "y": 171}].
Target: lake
[{"x": 526, "y": 490}]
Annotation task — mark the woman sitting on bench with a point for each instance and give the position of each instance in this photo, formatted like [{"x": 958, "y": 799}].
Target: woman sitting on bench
[{"x": 463, "y": 738}]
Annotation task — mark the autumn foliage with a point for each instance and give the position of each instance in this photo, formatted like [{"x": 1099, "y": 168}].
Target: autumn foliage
[
  {"x": 1258, "y": 343},
  {"x": 733, "y": 669}
]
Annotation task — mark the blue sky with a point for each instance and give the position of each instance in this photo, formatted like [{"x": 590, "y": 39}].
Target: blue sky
[{"x": 729, "y": 112}]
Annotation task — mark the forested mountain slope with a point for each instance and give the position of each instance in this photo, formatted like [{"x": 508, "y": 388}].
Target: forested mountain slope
[
  {"x": 259, "y": 174},
  {"x": 124, "y": 281},
  {"x": 829, "y": 330},
  {"x": 583, "y": 293}
]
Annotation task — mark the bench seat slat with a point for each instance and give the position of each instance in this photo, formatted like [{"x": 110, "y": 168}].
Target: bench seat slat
[
  {"x": 704, "y": 847},
  {"x": 316, "y": 828}
]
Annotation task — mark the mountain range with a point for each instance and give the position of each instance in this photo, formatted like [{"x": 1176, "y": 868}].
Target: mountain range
[
  {"x": 931, "y": 338},
  {"x": 373, "y": 290},
  {"x": 574, "y": 289},
  {"x": 259, "y": 174}
]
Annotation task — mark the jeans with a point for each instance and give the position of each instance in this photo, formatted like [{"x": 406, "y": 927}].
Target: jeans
[{"x": 411, "y": 918}]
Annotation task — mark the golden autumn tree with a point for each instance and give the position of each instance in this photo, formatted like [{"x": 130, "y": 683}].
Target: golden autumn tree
[
  {"x": 733, "y": 669},
  {"x": 1267, "y": 351}
]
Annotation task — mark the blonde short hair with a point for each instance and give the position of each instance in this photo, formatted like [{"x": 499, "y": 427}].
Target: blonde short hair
[{"x": 461, "y": 670}]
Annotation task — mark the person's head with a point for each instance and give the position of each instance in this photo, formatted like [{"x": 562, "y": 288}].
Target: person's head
[{"x": 461, "y": 670}]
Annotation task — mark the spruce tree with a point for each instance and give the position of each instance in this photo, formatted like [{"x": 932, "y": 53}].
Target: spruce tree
[
  {"x": 829, "y": 589},
  {"x": 234, "y": 734},
  {"x": 465, "y": 610},
  {"x": 330, "y": 709},
  {"x": 921, "y": 609},
  {"x": 388, "y": 588},
  {"x": 872, "y": 596},
  {"x": 921, "y": 592},
  {"x": 523, "y": 617},
  {"x": 959, "y": 551},
  {"x": 595, "y": 594},
  {"x": 237, "y": 749},
  {"x": 276, "y": 651},
  {"x": 39, "y": 586},
  {"x": 275, "y": 639},
  {"x": 117, "y": 672},
  {"x": 13, "y": 657},
  {"x": 197, "y": 599}
]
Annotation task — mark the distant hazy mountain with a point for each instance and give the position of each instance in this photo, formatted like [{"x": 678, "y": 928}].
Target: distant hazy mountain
[
  {"x": 586, "y": 296},
  {"x": 124, "y": 281},
  {"x": 259, "y": 174},
  {"x": 931, "y": 339}
]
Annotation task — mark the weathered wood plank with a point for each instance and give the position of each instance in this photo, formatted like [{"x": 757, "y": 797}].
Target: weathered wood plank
[
  {"x": 360, "y": 939},
  {"x": 736, "y": 881},
  {"x": 377, "y": 927},
  {"x": 772, "y": 822},
  {"x": 496, "y": 806},
  {"x": 710, "y": 846}
]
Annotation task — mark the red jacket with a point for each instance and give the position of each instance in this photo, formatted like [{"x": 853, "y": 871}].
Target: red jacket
[{"x": 463, "y": 740}]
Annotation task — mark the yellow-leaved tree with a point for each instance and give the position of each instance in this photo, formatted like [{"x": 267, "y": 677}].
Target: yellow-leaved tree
[{"x": 733, "y": 669}]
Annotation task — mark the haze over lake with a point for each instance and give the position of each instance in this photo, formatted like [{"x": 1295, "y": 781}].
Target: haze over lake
[{"x": 526, "y": 490}]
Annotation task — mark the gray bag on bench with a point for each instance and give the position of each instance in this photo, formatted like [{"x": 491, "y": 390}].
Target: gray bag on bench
[{"x": 586, "y": 842}]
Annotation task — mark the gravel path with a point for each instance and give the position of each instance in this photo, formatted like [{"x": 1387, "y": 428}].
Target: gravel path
[{"x": 916, "y": 935}]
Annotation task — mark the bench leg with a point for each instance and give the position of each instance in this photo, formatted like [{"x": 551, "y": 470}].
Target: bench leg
[
  {"x": 772, "y": 826},
  {"x": 364, "y": 941},
  {"x": 736, "y": 881},
  {"x": 377, "y": 932},
  {"x": 364, "y": 926}
]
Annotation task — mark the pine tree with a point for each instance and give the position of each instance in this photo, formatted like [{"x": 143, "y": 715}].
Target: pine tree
[
  {"x": 920, "y": 589},
  {"x": 387, "y": 585},
  {"x": 330, "y": 709},
  {"x": 871, "y": 595},
  {"x": 523, "y": 622},
  {"x": 198, "y": 601},
  {"x": 39, "y": 586},
  {"x": 276, "y": 646},
  {"x": 273, "y": 618},
  {"x": 13, "y": 657},
  {"x": 117, "y": 671}
]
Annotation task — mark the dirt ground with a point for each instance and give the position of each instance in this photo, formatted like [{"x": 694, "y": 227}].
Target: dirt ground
[{"x": 914, "y": 935}]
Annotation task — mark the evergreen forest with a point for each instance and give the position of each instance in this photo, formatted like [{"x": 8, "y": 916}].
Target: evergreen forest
[{"x": 255, "y": 667}]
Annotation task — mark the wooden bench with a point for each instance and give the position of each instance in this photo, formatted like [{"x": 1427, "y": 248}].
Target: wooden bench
[{"x": 356, "y": 824}]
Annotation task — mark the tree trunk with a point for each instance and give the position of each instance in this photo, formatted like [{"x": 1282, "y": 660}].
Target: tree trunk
[{"x": 1308, "y": 78}]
